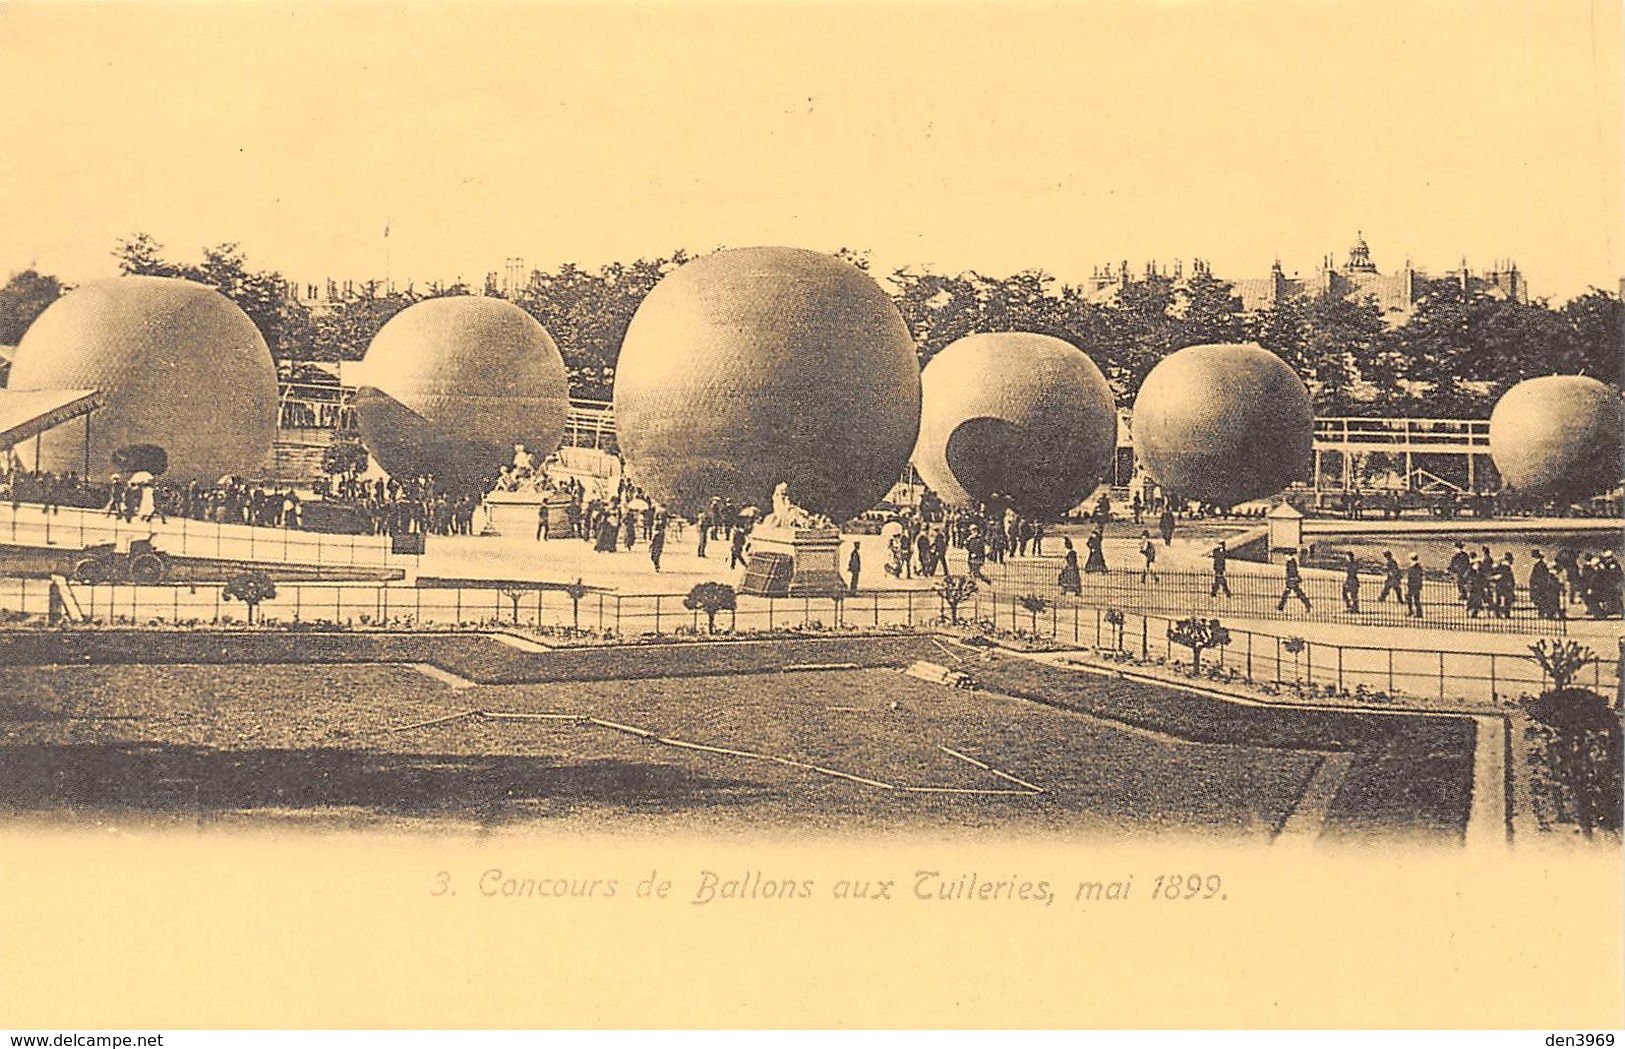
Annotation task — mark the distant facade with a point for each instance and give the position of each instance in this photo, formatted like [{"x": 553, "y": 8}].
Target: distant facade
[{"x": 1396, "y": 294}]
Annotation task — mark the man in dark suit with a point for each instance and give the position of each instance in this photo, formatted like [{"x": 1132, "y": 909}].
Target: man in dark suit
[{"x": 1413, "y": 588}]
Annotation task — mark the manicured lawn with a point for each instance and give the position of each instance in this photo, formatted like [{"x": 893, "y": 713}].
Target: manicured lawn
[
  {"x": 237, "y": 742},
  {"x": 233, "y": 727}
]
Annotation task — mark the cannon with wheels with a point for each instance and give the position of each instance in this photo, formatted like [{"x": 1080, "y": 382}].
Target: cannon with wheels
[{"x": 106, "y": 563}]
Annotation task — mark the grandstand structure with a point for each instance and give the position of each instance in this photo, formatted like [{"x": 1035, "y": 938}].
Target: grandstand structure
[{"x": 1430, "y": 456}]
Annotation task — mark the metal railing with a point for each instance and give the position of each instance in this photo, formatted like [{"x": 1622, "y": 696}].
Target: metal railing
[
  {"x": 1255, "y": 595},
  {"x": 1401, "y": 433},
  {"x": 1373, "y": 672},
  {"x": 73, "y": 529}
]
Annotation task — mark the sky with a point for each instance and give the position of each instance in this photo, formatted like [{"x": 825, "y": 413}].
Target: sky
[{"x": 956, "y": 136}]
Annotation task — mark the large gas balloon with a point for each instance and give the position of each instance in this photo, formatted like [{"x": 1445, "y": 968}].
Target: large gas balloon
[
  {"x": 1024, "y": 415},
  {"x": 1558, "y": 437},
  {"x": 756, "y": 366},
  {"x": 181, "y": 368},
  {"x": 451, "y": 384},
  {"x": 1224, "y": 423}
]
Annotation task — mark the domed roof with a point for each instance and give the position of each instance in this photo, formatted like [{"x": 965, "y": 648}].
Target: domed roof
[
  {"x": 756, "y": 366},
  {"x": 180, "y": 366}
]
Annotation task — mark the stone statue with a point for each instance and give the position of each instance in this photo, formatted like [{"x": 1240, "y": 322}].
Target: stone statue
[{"x": 786, "y": 514}]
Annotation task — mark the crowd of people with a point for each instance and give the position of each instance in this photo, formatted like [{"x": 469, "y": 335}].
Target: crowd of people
[
  {"x": 1487, "y": 585},
  {"x": 916, "y": 542},
  {"x": 418, "y": 505}
]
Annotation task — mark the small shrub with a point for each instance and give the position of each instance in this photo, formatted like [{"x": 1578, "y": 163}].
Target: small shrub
[
  {"x": 1198, "y": 634},
  {"x": 251, "y": 588},
  {"x": 711, "y": 598}
]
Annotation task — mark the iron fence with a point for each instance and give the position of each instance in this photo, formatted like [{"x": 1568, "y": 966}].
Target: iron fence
[
  {"x": 1372, "y": 671},
  {"x": 72, "y": 530},
  {"x": 1255, "y": 595}
]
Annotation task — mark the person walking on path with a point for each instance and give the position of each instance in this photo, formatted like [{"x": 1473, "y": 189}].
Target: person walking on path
[
  {"x": 1567, "y": 563},
  {"x": 1071, "y": 582},
  {"x": 1461, "y": 562},
  {"x": 1545, "y": 591},
  {"x": 854, "y": 565},
  {"x": 1166, "y": 525},
  {"x": 736, "y": 548},
  {"x": 976, "y": 554},
  {"x": 1413, "y": 588},
  {"x": 606, "y": 535},
  {"x": 657, "y": 543},
  {"x": 1351, "y": 586},
  {"x": 1478, "y": 585},
  {"x": 1148, "y": 550},
  {"x": 1096, "y": 563},
  {"x": 1220, "y": 556},
  {"x": 1294, "y": 584},
  {"x": 541, "y": 522},
  {"x": 1391, "y": 578},
  {"x": 1506, "y": 587}
]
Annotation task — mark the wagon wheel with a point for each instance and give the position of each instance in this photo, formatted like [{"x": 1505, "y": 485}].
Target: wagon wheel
[
  {"x": 90, "y": 570},
  {"x": 146, "y": 568}
]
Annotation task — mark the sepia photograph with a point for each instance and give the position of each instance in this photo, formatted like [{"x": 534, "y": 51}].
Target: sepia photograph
[{"x": 1102, "y": 514}]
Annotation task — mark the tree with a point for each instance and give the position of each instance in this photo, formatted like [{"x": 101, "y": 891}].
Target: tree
[
  {"x": 575, "y": 592},
  {"x": 1333, "y": 343},
  {"x": 955, "y": 590},
  {"x": 142, "y": 255},
  {"x": 1142, "y": 331},
  {"x": 942, "y": 309},
  {"x": 1562, "y": 660},
  {"x": 24, "y": 297},
  {"x": 1034, "y": 606},
  {"x": 251, "y": 588},
  {"x": 1598, "y": 324},
  {"x": 1198, "y": 634},
  {"x": 344, "y": 332},
  {"x": 1469, "y": 346},
  {"x": 711, "y": 598},
  {"x": 1116, "y": 619},
  {"x": 1295, "y": 646},
  {"x": 262, "y": 294},
  {"x": 587, "y": 313},
  {"x": 514, "y": 594},
  {"x": 1580, "y": 721},
  {"x": 1207, "y": 310}
]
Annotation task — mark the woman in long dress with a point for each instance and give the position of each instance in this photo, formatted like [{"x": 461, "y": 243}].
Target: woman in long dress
[
  {"x": 1097, "y": 555},
  {"x": 607, "y": 531},
  {"x": 1071, "y": 582}
]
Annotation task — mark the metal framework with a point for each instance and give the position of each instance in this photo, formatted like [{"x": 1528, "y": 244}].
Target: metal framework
[{"x": 591, "y": 424}]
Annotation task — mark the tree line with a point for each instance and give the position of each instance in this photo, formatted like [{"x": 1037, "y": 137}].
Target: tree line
[{"x": 1453, "y": 356}]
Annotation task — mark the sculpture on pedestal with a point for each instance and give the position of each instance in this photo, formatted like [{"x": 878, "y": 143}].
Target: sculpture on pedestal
[{"x": 786, "y": 514}]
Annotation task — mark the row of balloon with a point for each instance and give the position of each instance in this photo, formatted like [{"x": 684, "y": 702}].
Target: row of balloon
[
  {"x": 759, "y": 365},
  {"x": 740, "y": 370}
]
